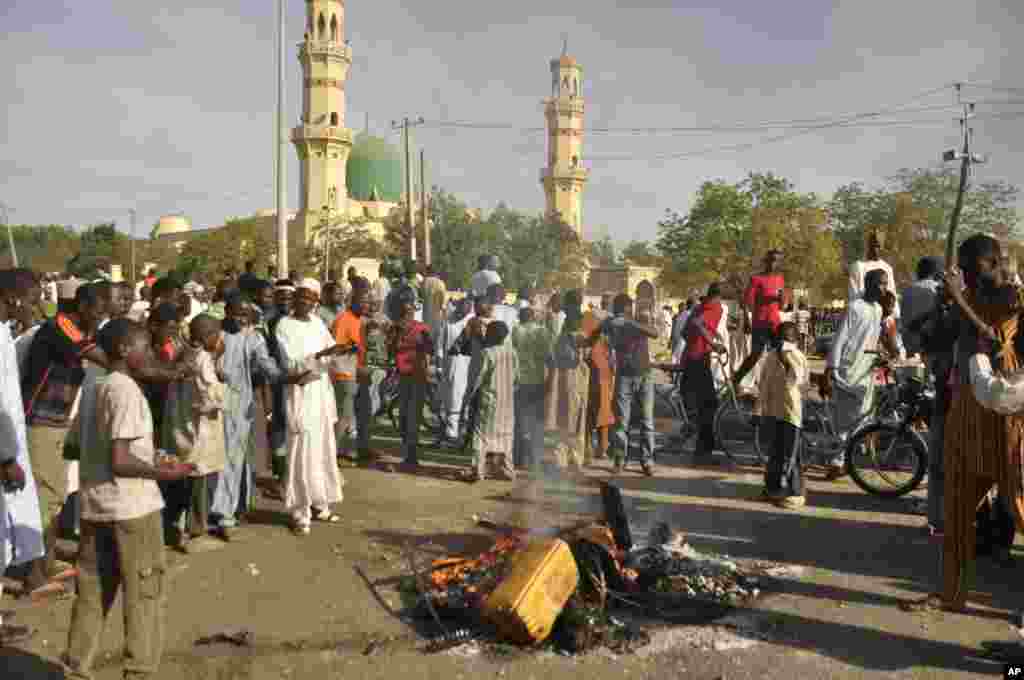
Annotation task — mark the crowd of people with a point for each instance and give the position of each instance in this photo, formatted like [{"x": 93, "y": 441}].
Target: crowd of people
[{"x": 154, "y": 407}]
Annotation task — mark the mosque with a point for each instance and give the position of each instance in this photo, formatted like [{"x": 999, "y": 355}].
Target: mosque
[{"x": 360, "y": 176}]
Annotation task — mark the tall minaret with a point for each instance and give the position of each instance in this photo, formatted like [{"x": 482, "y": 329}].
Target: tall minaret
[
  {"x": 564, "y": 177},
  {"x": 321, "y": 139}
]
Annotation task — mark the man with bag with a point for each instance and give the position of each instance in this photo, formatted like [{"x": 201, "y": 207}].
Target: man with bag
[{"x": 50, "y": 385}]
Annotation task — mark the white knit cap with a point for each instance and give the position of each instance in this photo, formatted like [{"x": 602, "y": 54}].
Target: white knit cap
[
  {"x": 310, "y": 284},
  {"x": 66, "y": 289}
]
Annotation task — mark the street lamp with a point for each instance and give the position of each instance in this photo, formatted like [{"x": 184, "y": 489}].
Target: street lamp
[
  {"x": 327, "y": 233},
  {"x": 4, "y": 210}
]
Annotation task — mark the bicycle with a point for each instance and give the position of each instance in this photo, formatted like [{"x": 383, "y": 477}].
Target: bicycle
[
  {"x": 734, "y": 410},
  {"x": 884, "y": 441}
]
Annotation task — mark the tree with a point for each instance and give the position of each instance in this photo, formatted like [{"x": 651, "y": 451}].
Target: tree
[
  {"x": 710, "y": 243},
  {"x": 731, "y": 226},
  {"x": 229, "y": 247},
  {"x": 602, "y": 252},
  {"x": 643, "y": 253},
  {"x": 347, "y": 238},
  {"x": 44, "y": 248},
  {"x": 932, "y": 192}
]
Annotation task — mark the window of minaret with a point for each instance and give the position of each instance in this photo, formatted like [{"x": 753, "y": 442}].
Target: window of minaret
[
  {"x": 321, "y": 27},
  {"x": 575, "y": 86},
  {"x": 334, "y": 28},
  {"x": 565, "y": 84},
  {"x": 575, "y": 161},
  {"x": 334, "y": 119}
]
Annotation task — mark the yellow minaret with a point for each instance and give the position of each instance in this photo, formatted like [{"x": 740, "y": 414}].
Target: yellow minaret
[
  {"x": 321, "y": 139},
  {"x": 564, "y": 177}
]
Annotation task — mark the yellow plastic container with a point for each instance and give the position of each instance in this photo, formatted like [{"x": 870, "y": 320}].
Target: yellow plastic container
[{"x": 539, "y": 582}]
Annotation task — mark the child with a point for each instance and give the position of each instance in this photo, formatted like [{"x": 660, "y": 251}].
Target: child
[
  {"x": 375, "y": 334},
  {"x": 194, "y": 432},
  {"x": 781, "y": 408},
  {"x": 492, "y": 388},
  {"x": 121, "y": 546}
]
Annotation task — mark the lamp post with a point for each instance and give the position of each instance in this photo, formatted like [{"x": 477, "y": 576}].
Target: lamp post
[
  {"x": 5, "y": 211},
  {"x": 327, "y": 233}
]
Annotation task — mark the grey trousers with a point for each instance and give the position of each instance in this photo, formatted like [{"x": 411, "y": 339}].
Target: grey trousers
[{"x": 410, "y": 407}]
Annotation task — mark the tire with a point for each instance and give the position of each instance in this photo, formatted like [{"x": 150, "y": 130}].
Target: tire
[
  {"x": 906, "y": 466},
  {"x": 737, "y": 431}
]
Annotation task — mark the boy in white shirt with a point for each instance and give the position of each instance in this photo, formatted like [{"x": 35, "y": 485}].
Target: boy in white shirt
[{"x": 781, "y": 407}]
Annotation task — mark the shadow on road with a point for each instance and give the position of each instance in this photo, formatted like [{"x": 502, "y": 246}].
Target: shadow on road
[{"x": 18, "y": 664}]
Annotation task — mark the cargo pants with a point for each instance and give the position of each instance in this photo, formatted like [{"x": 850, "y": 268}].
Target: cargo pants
[{"x": 125, "y": 557}]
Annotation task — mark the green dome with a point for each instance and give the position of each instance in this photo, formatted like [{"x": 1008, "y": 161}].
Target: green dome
[{"x": 374, "y": 170}]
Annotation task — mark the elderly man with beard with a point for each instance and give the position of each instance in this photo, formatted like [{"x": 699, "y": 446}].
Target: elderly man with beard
[{"x": 313, "y": 481}]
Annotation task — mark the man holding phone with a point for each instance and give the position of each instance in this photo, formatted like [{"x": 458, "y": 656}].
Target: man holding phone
[{"x": 764, "y": 298}]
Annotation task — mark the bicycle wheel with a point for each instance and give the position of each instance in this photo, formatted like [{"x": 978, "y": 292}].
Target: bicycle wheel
[
  {"x": 737, "y": 430},
  {"x": 887, "y": 460}
]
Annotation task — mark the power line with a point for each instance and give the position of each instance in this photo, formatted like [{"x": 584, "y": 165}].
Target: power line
[{"x": 793, "y": 124}]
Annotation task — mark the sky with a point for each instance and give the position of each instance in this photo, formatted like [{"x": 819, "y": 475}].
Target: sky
[{"x": 114, "y": 104}]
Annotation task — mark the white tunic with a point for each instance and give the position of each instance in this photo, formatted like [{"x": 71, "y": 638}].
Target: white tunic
[
  {"x": 21, "y": 525},
  {"x": 311, "y": 413},
  {"x": 1002, "y": 394}
]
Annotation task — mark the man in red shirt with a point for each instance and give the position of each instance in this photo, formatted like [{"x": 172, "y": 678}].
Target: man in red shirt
[
  {"x": 700, "y": 343},
  {"x": 412, "y": 347},
  {"x": 764, "y": 299}
]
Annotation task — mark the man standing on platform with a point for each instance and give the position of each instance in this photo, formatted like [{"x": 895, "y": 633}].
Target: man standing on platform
[{"x": 764, "y": 297}]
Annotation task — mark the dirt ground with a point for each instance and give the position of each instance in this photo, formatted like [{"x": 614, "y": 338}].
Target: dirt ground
[{"x": 832, "y": 613}]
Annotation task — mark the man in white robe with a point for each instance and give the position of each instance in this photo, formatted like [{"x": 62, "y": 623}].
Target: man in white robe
[
  {"x": 850, "y": 369},
  {"x": 456, "y": 371},
  {"x": 872, "y": 260},
  {"x": 21, "y": 524},
  {"x": 313, "y": 481}
]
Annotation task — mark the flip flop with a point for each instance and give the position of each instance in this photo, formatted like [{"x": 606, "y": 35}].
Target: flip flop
[
  {"x": 12, "y": 635},
  {"x": 328, "y": 517},
  {"x": 301, "y": 529}
]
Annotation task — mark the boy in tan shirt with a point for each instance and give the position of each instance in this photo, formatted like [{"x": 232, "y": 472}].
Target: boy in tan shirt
[
  {"x": 781, "y": 408},
  {"x": 121, "y": 544}
]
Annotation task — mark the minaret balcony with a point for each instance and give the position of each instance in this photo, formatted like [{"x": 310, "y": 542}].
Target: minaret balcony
[
  {"x": 302, "y": 133},
  {"x": 325, "y": 48},
  {"x": 564, "y": 173},
  {"x": 565, "y": 106}
]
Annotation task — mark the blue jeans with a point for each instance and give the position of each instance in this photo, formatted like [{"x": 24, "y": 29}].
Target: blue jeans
[
  {"x": 529, "y": 425},
  {"x": 627, "y": 389}
]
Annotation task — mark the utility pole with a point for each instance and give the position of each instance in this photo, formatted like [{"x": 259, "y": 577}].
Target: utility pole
[
  {"x": 967, "y": 160},
  {"x": 281, "y": 143},
  {"x": 409, "y": 221},
  {"x": 131, "y": 242},
  {"x": 10, "y": 234},
  {"x": 423, "y": 208}
]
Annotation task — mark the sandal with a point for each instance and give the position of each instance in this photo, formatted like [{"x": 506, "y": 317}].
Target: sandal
[
  {"x": 301, "y": 529},
  {"x": 11, "y": 634},
  {"x": 327, "y": 516}
]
